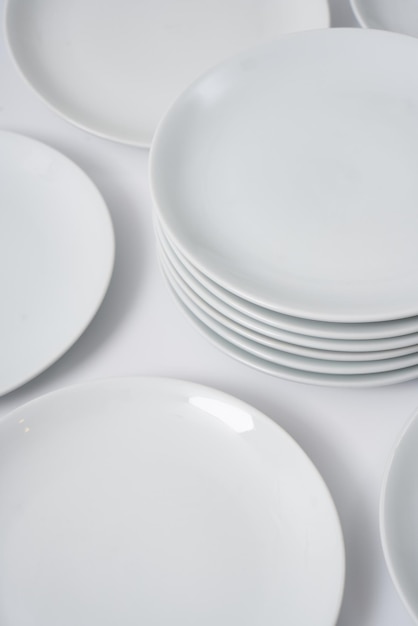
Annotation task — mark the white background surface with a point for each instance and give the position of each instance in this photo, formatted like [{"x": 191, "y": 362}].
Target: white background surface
[{"x": 139, "y": 330}]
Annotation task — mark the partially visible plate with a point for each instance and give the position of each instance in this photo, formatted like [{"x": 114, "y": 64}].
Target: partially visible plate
[
  {"x": 399, "y": 16},
  {"x": 56, "y": 256},
  {"x": 399, "y": 516},
  {"x": 113, "y": 67},
  {"x": 156, "y": 501}
]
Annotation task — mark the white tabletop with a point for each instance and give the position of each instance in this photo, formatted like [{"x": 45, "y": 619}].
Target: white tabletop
[{"x": 139, "y": 330}]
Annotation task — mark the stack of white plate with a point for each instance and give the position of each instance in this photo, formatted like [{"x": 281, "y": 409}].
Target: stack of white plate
[{"x": 286, "y": 206}]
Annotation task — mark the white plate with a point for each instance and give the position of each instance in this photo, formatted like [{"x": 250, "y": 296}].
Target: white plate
[
  {"x": 224, "y": 328},
  {"x": 113, "y": 67},
  {"x": 243, "y": 330},
  {"x": 327, "y": 330},
  {"x": 400, "y": 16},
  {"x": 56, "y": 256},
  {"x": 152, "y": 501},
  {"x": 348, "y": 349},
  {"x": 288, "y": 175},
  {"x": 399, "y": 516},
  {"x": 299, "y": 376}
]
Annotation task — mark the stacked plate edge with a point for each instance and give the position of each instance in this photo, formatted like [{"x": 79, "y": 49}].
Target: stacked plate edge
[{"x": 285, "y": 195}]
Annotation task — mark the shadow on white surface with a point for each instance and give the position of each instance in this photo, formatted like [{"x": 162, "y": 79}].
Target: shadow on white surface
[
  {"x": 361, "y": 573},
  {"x": 341, "y": 14}
]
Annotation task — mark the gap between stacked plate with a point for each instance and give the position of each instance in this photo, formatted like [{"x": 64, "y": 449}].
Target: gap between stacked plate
[
  {"x": 284, "y": 346},
  {"x": 314, "y": 328},
  {"x": 287, "y": 373},
  {"x": 405, "y": 342},
  {"x": 218, "y": 324}
]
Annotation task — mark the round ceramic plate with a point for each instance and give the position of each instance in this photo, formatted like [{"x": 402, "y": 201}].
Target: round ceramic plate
[
  {"x": 346, "y": 348},
  {"x": 298, "y": 376},
  {"x": 222, "y": 327},
  {"x": 399, "y": 516},
  {"x": 56, "y": 256},
  {"x": 400, "y": 16},
  {"x": 264, "y": 340},
  {"x": 152, "y": 501},
  {"x": 288, "y": 175},
  {"x": 327, "y": 330},
  {"x": 113, "y": 68}
]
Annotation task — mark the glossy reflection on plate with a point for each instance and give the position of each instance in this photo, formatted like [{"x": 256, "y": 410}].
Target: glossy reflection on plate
[
  {"x": 154, "y": 501},
  {"x": 113, "y": 67},
  {"x": 56, "y": 256},
  {"x": 288, "y": 175},
  {"x": 399, "y": 516}
]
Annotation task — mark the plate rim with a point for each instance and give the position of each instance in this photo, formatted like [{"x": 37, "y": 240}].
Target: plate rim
[
  {"x": 300, "y": 339},
  {"x": 111, "y": 252},
  {"x": 245, "y": 343},
  {"x": 268, "y": 341},
  {"x": 194, "y": 272},
  {"x": 358, "y": 14},
  {"x": 361, "y": 381},
  {"x": 384, "y": 540}
]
